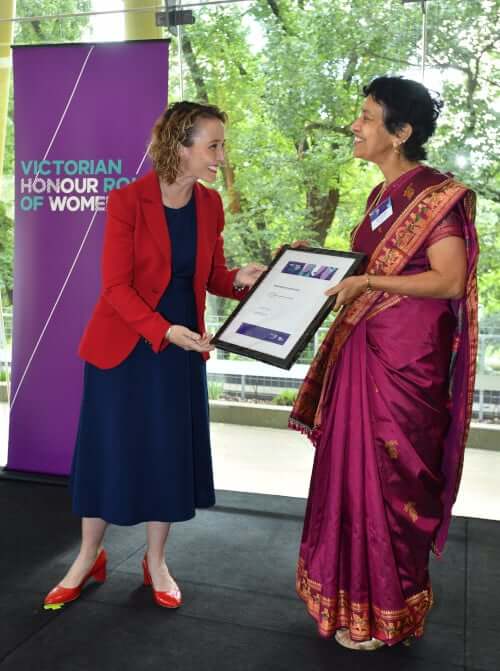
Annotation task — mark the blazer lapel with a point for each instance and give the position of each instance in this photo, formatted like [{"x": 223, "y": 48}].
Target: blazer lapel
[{"x": 154, "y": 213}]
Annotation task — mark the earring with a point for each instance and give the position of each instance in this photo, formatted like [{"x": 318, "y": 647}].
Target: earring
[{"x": 397, "y": 148}]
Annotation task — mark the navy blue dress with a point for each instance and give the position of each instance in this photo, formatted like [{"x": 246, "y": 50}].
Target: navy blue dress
[{"x": 143, "y": 445}]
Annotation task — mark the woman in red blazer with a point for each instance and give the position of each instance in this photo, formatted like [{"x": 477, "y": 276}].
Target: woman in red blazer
[{"x": 143, "y": 447}]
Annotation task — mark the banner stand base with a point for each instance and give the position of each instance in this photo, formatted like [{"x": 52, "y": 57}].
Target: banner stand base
[{"x": 37, "y": 478}]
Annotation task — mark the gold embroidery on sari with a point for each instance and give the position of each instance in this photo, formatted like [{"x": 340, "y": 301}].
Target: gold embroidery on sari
[
  {"x": 363, "y": 619},
  {"x": 409, "y": 192},
  {"x": 391, "y": 447},
  {"x": 410, "y": 510},
  {"x": 431, "y": 204}
]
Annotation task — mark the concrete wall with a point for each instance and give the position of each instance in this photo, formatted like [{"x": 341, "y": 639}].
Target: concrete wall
[{"x": 481, "y": 436}]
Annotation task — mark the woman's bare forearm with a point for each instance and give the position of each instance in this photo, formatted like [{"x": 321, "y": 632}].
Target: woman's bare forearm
[{"x": 429, "y": 284}]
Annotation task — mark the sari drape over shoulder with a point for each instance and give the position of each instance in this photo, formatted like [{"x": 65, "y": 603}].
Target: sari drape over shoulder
[{"x": 387, "y": 403}]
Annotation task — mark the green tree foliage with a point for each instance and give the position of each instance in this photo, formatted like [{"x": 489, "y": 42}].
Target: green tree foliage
[
  {"x": 6, "y": 253},
  {"x": 292, "y": 97},
  {"x": 488, "y": 216},
  {"x": 50, "y": 31},
  {"x": 34, "y": 32},
  {"x": 463, "y": 47},
  {"x": 290, "y": 72}
]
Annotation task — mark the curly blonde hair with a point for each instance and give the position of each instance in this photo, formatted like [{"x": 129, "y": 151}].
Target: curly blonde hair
[{"x": 175, "y": 127}]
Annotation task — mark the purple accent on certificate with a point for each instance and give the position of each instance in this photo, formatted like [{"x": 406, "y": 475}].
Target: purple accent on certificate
[
  {"x": 315, "y": 271},
  {"x": 261, "y": 333}
]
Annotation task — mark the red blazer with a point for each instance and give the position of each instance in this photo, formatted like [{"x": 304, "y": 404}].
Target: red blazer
[{"x": 136, "y": 270}]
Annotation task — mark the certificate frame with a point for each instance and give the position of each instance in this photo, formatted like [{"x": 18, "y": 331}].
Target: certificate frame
[{"x": 254, "y": 339}]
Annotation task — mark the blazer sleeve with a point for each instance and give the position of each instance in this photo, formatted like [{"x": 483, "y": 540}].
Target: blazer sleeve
[
  {"x": 221, "y": 279},
  {"x": 118, "y": 274}
]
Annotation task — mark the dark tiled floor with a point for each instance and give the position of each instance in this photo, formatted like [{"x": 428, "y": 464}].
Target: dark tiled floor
[{"x": 236, "y": 566}]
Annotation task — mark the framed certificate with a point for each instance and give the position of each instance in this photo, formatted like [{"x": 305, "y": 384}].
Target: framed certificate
[{"x": 286, "y": 305}]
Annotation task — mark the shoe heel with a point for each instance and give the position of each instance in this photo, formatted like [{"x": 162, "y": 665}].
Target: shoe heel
[
  {"x": 147, "y": 577},
  {"x": 100, "y": 574}
]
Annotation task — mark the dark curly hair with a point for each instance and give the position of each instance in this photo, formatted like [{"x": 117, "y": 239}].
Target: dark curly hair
[
  {"x": 405, "y": 101},
  {"x": 177, "y": 126}
]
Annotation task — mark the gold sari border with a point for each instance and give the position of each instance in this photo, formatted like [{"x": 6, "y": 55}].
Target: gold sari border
[{"x": 363, "y": 619}]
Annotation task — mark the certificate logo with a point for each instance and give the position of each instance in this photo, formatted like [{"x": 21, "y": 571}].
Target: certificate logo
[
  {"x": 316, "y": 272},
  {"x": 261, "y": 333}
]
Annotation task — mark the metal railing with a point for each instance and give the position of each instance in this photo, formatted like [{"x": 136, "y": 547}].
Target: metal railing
[{"x": 244, "y": 385}]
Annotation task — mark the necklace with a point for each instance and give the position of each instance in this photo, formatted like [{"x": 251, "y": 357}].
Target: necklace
[{"x": 377, "y": 199}]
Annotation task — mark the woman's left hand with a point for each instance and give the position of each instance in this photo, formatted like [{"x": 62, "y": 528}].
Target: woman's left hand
[
  {"x": 249, "y": 274},
  {"x": 347, "y": 290}
]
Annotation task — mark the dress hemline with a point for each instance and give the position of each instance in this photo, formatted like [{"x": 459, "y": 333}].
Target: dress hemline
[{"x": 142, "y": 520}]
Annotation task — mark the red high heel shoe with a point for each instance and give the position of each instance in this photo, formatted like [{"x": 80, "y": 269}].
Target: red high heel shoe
[
  {"x": 172, "y": 599},
  {"x": 60, "y": 595}
]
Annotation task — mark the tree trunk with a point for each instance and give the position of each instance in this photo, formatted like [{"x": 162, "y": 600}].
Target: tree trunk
[
  {"x": 202, "y": 96},
  {"x": 233, "y": 193},
  {"x": 196, "y": 71},
  {"x": 322, "y": 208}
]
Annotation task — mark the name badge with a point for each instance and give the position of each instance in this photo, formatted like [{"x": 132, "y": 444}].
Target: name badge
[{"x": 381, "y": 213}]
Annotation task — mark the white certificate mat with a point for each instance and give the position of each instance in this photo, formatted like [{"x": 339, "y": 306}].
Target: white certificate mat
[{"x": 287, "y": 305}]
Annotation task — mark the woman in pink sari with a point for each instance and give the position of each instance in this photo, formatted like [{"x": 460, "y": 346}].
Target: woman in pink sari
[{"x": 387, "y": 400}]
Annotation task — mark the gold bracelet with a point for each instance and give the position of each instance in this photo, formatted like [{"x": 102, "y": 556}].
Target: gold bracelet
[{"x": 368, "y": 283}]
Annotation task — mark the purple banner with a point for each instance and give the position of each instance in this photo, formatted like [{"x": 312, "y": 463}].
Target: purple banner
[{"x": 83, "y": 115}]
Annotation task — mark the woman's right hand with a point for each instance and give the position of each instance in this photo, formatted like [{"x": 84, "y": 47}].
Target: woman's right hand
[{"x": 189, "y": 340}]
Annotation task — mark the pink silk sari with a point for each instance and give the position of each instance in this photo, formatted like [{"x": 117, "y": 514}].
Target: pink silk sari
[{"x": 387, "y": 403}]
